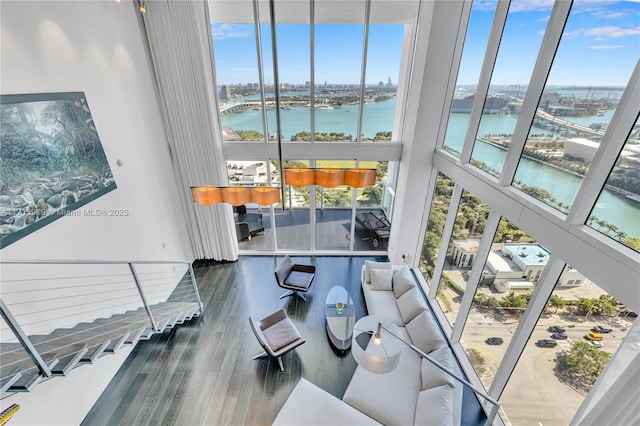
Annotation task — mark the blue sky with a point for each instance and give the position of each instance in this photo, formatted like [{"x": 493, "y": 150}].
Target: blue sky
[{"x": 600, "y": 46}]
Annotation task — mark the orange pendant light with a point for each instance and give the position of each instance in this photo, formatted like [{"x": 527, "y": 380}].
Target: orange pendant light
[
  {"x": 359, "y": 178},
  {"x": 236, "y": 195},
  {"x": 206, "y": 195},
  {"x": 330, "y": 178},
  {"x": 265, "y": 195},
  {"x": 299, "y": 177}
]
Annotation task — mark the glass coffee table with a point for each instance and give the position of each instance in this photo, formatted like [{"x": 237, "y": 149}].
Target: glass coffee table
[{"x": 341, "y": 316}]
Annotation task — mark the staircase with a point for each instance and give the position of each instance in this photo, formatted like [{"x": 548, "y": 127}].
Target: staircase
[{"x": 33, "y": 355}]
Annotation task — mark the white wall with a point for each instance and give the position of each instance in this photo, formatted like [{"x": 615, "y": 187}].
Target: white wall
[{"x": 94, "y": 47}]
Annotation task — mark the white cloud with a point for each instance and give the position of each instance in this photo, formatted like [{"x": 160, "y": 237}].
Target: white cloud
[
  {"x": 604, "y": 46},
  {"x": 611, "y": 32},
  {"x": 223, "y": 31},
  {"x": 530, "y": 5}
]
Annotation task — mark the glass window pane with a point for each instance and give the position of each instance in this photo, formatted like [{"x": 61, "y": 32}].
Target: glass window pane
[
  {"x": 475, "y": 45},
  {"x": 337, "y": 79},
  {"x": 373, "y": 218},
  {"x": 510, "y": 274},
  {"x": 471, "y": 218},
  {"x": 435, "y": 225},
  {"x": 293, "y": 225},
  {"x": 333, "y": 211},
  {"x": 519, "y": 46},
  {"x": 596, "y": 56},
  {"x": 294, "y": 72},
  {"x": 617, "y": 210},
  {"x": 384, "y": 55},
  {"x": 558, "y": 368}
]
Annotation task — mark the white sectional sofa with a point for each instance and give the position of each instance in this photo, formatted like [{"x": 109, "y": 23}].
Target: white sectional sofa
[{"x": 415, "y": 393}]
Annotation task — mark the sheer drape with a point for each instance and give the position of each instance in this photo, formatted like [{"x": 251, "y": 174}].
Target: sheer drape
[{"x": 179, "y": 47}]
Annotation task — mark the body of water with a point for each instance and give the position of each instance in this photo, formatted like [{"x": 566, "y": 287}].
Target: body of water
[{"x": 378, "y": 117}]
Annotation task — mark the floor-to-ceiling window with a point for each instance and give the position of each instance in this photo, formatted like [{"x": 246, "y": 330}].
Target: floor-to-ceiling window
[
  {"x": 529, "y": 252},
  {"x": 324, "y": 80}
]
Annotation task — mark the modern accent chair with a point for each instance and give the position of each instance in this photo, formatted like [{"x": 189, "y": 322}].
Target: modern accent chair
[
  {"x": 247, "y": 224},
  {"x": 294, "y": 277},
  {"x": 277, "y": 335},
  {"x": 378, "y": 227}
]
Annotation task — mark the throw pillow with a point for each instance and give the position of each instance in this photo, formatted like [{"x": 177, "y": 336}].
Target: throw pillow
[
  {"x": 411, "y": 304},
  {"x": 424, "y": 332},
  {"x": 370, "y": 264},
  {"x": 381, "y": 279},
  {"x": 435, "y": 407},
  {"x": 403, "y": 281},
  {"x": 432, "y": 376}
]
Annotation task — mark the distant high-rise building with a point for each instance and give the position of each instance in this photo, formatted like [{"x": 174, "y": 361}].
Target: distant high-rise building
[
  {"x": 381, "y": 84},
  {"x": 389, "y": 83},
  {"x": 307, "y": 84},
  {"x": 225, "y": 93}
]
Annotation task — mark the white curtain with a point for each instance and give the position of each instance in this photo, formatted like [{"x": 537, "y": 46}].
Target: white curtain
[{"x": 179, "y": 46}]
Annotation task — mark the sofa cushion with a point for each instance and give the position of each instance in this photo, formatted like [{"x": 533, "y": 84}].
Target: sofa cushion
[
  {"x": 435, "y": 407},
  {"x": 403, "y": 281},
  {"x": 432, "y": 376},
  {"x": 310, "y": 405},
  {"x": 370, "y": 264},
  {"x": 411, "y": 304},
  {"x": 424, "y": 333},
  {"x": 389, "y": 398},
  {"x": 382, "y": 303},
  {"x": 381, "y": 279}
]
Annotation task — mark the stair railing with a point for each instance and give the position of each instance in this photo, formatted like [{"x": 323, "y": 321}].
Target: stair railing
[{"x": 31, "y": 299}]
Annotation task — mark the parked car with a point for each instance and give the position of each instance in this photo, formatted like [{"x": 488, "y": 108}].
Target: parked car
[
  {"x": 593, "y": 336},
  {"x": 594, "y": 344},
  {"x": 559, "y": 336},
  {"x": 601, "y": 329},
  {"x": 494, "y": 341},
  {"x": 555, "y": 329},
  {"x": 547, "y": 343}
]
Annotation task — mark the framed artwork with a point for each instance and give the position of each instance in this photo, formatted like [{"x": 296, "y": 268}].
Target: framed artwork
[{"x": 51, "y": 161}]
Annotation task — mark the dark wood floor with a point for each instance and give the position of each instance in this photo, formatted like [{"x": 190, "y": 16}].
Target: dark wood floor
[{"x": 202, "y": 373}]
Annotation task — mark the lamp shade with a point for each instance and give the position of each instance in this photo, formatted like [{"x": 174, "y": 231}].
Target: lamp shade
[
  {"x": 265, "y": 195},
  {"x": 359, "y": 178},
  {"x": 330, "y": 178},
  {"x": 299, "y": 177},
  {"x": 376, "y": 358},
  {"x": 236, "y": 195},
  {"x": 206, "y": 195}
]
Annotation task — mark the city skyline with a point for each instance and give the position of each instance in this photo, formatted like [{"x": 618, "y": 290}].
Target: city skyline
[{"x": 601, "y": 40}]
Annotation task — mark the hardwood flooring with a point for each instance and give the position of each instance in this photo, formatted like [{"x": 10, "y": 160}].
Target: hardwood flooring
[{"x": 202, "y": 373}]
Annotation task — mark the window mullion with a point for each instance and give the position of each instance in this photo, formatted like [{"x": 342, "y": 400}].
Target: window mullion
[
  {"x": 263, "y": 95},
  {"x": 363, "y": 69},
  {"x": 312, "y": 66},
  {"x": 552, "y": 36},
  {"x": 499, "y": 21}
]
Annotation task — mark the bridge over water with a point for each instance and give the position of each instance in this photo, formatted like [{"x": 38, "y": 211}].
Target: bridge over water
[
  {"x": 555, "y": 121},
  {"x": 233, "y": 107}
]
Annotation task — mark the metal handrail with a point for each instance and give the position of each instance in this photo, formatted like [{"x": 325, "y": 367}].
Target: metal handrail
[{"x": 24, "y": 339}]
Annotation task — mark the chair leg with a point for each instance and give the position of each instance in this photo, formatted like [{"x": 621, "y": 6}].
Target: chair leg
[
  {"x": 280, "y": 364},
  {"x": 288, "y": 293},
  {"x": 261, "y": 355}
]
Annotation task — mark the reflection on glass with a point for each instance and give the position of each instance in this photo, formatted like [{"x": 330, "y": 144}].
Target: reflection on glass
[
  {"x": 597, "y": 54},
  {"x": 469, "y": 226},
  {"x": 475, "y": 45},
  {"x": 519, "y": 46},
  {"x": 511, "y": 271},
  {"x": 622, "y": 222},
  {"x": 333, "y": 211},
  {"x": 293, "y": 226},
  {"x": 337, "y": 80},
  {"x": 563, "y": 358},
  {"x": 435, "y": 225}
]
